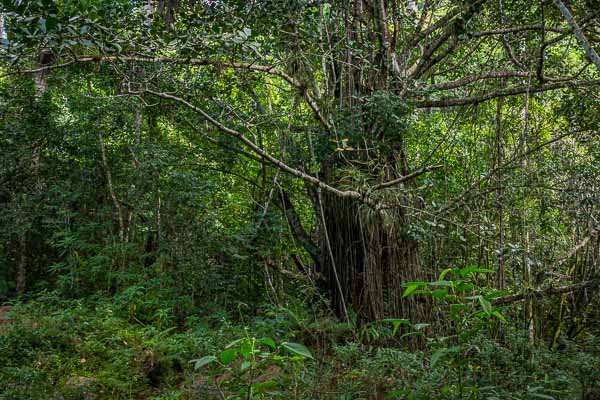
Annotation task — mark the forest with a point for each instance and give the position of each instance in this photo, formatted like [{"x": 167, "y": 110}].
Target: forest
[{"x": 299, "y": 199}]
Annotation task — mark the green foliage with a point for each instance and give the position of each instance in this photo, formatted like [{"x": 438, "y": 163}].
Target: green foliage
[
  {"x": 141, "y": 227},
  {"x": 250, "y": 365}
]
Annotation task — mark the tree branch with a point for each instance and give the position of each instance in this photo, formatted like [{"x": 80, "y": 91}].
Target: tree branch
[
  {"x": 269, "y": 69},
  {"x": 589, "y": 50},
  {"x": 408, "y": 177},
  {"x": 474, "y": 78},
  {"x": 550, "y": 291},
  {"x": 254, "y": 148},
  {"x": 512, "y": 91}
]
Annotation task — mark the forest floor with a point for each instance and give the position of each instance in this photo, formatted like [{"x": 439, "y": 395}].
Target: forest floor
[{"x": 104, "y": 348}]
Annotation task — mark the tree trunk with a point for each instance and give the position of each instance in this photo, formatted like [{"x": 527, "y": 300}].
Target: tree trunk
[
  {"x": 21, "y": 281},
  {"x": 372, "y": 256}
]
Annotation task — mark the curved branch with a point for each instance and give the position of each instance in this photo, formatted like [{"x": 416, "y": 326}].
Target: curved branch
[
  {"x": 512, "y": 91},
  {"x": 256, "y": 149}
]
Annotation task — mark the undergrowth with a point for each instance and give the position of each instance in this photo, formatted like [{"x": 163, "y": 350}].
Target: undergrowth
[{"x": 98, "y": 349}]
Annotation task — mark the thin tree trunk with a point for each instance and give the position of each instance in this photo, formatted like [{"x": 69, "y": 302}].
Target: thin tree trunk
[
  {"x": 21, "y": 282},
  {"x": 530, "y": 311},
  {"x": 111, "y": 189},
  {"x": 501, "y": 275}
]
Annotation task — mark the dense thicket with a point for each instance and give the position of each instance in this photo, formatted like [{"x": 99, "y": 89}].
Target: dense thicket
[{"x": 433, "y": 164}]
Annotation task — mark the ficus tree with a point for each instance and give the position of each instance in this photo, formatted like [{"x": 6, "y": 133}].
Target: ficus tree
[{"x": 378, "y": 128}]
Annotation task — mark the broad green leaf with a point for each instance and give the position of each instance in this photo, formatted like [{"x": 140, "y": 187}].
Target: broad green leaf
[
  {"x": 409, "y": 290},
  {"x": 464, "y": 287},
  {"x": 411, "y": 334},
  {"x": 267, "y": 341},
  {"x": 297, "y": 348},
  {"x": 246, "y": 347},
  {"x": 495, "y": 294},
  {"x": 262, "y": 386},
  {"x": 227, "y": 356},
  {"x": 201, "y": 362}
]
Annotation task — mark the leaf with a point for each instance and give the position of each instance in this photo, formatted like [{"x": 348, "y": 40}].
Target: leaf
[
  {"x": 234, "y": 343},
  {"x": 474, "y": 269},
  {"x": 201, "y": 362},
  {"x": 396, "y": 322},
  {"x": 227, "y": 356},
  {"x": 442, "y": 283},
  {"x": 411, "y": 334},
  {"x": 409, "y": 290},
  {"x": 440, "y": 294},
  {"x": 267, "y": 341},
  {"x": 495, "y": 294},
  {"x": 435, "y": 357},
  {"x": 420, "y": 326},
  {"x": 261, "y": 386},
  {"x": 485, "y": 304},
  {"x": 464, "y": 287},
  {"x": 540, "y": 396},
  {"x": 499, "y": 315},
  {"x": 397, "y": 393},
  {"x": 297, "y": 348},
  {"x": 42, "y": 24},
  {"x": 444, "y": 273},
  {"x": 246, "y": 347},
  {"x": 245, "y": 365},
  {"x": 416, "y": 283}
]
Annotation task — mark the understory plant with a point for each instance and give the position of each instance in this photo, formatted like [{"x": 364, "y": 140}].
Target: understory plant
[
  {"x": 466, "y": 309},
  {"x": 248, "y": 367}
]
